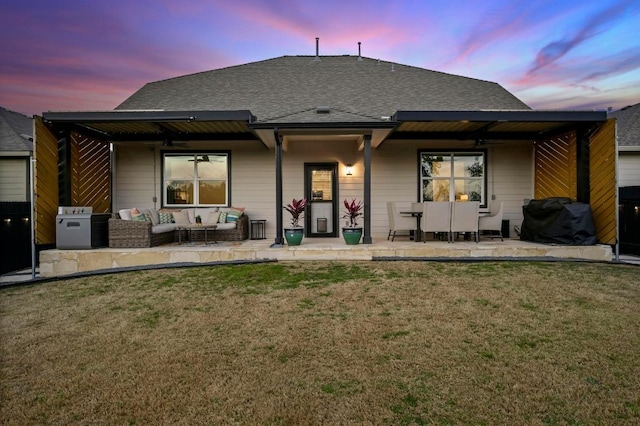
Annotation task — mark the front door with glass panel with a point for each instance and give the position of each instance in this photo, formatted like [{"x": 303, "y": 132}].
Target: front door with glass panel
[{"x": 321, "y": 188}]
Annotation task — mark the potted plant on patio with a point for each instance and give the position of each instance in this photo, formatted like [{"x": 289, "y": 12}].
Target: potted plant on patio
[
  {"x": 351, "y": 232},
  {"x": 295, "y": 232}
]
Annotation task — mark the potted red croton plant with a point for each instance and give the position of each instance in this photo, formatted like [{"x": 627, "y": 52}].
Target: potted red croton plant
[
  {"x": 295, "y": 232},
  {"x": 351, "y": 232}
]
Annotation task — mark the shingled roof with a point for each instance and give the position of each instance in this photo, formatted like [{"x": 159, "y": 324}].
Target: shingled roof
[
  {"x": 15, "y": 131},
  {"x": 289, "y": 89},
  {"x": 628, "y": 125}
]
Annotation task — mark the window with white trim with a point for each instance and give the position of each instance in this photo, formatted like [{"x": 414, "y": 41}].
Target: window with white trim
[
  {"x": 196, "y": 179},
  {"x": 453, "y": 176}
]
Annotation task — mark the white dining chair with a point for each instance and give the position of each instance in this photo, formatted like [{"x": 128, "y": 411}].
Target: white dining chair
[
  {"x": 399, "y": 222},
  {"x": 493, "y": 221},
  {"x": 436, "y": 218},
  {"x": 464, "y": 218}
]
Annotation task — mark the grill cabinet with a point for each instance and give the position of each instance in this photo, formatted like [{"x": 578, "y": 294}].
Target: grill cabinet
[{"x": 80, "y": 228}]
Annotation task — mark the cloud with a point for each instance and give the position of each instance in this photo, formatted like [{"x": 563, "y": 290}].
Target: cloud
[{"x": 555, "y": 50}]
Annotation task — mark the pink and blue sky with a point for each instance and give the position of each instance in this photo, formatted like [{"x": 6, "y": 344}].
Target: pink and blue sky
[{"x": 90, "y": 55}]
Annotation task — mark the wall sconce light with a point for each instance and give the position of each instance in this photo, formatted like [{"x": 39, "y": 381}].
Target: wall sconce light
[
  {"x": 7, "y": 220},
  {"x": 349, "y": 169}
]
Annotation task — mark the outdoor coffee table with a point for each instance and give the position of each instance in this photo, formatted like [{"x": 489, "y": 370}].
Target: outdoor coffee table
[{"x": 190, "y": 228}]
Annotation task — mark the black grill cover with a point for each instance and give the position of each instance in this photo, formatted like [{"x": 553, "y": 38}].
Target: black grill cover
[{"x": 558, "y": 221}]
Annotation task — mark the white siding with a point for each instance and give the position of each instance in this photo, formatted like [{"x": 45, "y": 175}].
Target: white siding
[
  {"x": 629, "y": 169},
  {"x": 14, "y": 179},
  {"x": 394, "y": 175},
  {"x": 134, "y": 182},
  {"x": 511, "y": 178}
]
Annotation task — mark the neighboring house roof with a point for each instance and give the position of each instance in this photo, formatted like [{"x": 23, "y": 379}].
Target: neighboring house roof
[
  {"x": 628, "y": 126},
  {"x": 289, "y": 89},
  {"x": 16, "y": 131}
]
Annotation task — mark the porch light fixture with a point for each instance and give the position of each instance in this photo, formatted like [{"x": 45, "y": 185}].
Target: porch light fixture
[{"x": 349, "y": 169}]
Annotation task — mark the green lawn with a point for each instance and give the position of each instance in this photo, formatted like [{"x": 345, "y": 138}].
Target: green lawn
[{"x": 388, "y": 343}]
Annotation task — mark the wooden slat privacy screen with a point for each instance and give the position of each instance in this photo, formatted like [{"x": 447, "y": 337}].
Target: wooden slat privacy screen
[
  {"x": 90, "y": 178},
  {"x": 555, "y": 175},
  {"x": 555, "y": 167},
  {"x": 45, "y": 183},
  {"x": 602, "y": 165},
  {"x": 90, "y": 173}
]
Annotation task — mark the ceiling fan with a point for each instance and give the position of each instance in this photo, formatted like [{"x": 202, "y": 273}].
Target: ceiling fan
[
  {"x": 171, "y": 142},
  {"x": 166, "y": 143},
  {"x": 202, "y": 159},
  {"x": 484, "y": 142}
]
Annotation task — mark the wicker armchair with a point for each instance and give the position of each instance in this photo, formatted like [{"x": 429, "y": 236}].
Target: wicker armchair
[{"x": 134, "y": 234}]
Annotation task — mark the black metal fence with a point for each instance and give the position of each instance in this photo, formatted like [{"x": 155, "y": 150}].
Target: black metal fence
[
  {"x": 629, "y": 226},
  {"x": 15, "y": 236}
]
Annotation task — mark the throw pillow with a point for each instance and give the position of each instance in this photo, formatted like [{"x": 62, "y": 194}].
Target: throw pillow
[
  {"x": 233, "y": 215},
  {"x": 223, "y": 217},
  {"x": 166, "y": 217},
  {"x": 181, "y": 217},
  {"x": 213, "y": 217},
  {"x": 141, "y": 218},
  {"x": 125, "y": 214},
  {"x": 154, "y": 215}
]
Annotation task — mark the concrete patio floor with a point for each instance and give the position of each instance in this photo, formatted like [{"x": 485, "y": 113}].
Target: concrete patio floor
[{"x": 55, "y": 263}]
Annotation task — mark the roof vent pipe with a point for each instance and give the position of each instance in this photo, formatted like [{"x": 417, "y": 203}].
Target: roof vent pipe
[
  {"x": 317, "y": 49},
  {"x": 359, "y": 54}
]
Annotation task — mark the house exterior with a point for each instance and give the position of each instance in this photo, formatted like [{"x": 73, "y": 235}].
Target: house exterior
[
  {"x": 628, "y": 125},
  {"x": 326, "y": 128},
  {"x": 628, "y": 120},
  {"x": 16, "y": 146}
]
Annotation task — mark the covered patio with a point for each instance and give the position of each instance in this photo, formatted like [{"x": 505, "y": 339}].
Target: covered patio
[
  {"x": 373, "y": 129},
  {"x": 55, "y": 263}
]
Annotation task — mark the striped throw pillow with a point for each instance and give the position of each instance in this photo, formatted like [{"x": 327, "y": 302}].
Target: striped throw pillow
[{"x": 233, "y": 215}]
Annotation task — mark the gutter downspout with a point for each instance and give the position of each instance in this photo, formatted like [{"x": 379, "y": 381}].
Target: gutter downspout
[{"x": 278, "y": 243}]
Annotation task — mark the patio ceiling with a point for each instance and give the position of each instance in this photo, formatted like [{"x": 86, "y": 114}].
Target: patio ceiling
[
  {"x": 525, "y": 124},
  {"x": 242, "y": 125},
  {"x": 157, "y": 125}
]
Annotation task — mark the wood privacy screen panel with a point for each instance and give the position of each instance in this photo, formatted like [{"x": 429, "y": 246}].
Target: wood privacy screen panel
[
  {"x": 555, "y": 167},
  {"x": 602, "y": 181},
  {"x": 555, "y": 175},
  {"x": 90, "y": 173},
  {"x": 45, "y": 183},
  {"x": 90, "y": 178}
]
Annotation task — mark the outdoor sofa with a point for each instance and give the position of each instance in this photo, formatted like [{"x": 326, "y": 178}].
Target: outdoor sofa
[{"x": 136, "y": 228}]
